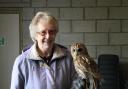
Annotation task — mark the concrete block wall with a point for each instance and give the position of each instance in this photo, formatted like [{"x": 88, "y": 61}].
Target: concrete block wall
[{"x": 101, "y": 24}]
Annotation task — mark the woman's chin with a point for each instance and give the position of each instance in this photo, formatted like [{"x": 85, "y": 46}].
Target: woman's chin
[{"x": 47, "y": 45}]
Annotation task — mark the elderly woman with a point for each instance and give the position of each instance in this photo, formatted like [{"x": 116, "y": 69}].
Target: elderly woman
[{"x": 45, "y": 65}]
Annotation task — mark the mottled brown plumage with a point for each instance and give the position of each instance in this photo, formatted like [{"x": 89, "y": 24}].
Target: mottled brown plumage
[{"x": 85, "y": 66}]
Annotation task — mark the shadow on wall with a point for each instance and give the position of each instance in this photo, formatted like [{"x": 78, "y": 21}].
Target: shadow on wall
[
  {"x": 114, "y": 72},
  {"x": 124, "y": 75},
  {"x": 109, "y": 67}
]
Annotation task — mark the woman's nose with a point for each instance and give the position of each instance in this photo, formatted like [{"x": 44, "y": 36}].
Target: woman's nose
[{"x": 47, "y": 35}]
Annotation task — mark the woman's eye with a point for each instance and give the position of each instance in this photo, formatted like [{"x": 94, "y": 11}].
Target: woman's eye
[
  {"x": 41, "y": 33},
  {"x": 52, "y": 31}
]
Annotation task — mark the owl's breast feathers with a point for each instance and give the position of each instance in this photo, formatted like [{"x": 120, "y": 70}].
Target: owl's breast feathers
[{"x": 86, "y": 66}]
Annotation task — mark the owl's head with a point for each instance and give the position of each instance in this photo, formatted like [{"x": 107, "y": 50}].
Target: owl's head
[{"x": 78, "y": 49}]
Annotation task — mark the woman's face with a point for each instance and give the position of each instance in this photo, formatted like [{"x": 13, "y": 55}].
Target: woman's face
[{"x": 45, "y": 37}]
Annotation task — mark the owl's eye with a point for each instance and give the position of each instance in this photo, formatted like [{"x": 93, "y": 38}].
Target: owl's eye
[
  {"x": 79, "y": 50},
  {"x": 73, "y": 50}
]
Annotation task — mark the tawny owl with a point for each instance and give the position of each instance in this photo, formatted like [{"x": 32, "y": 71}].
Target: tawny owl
[{"x": 85, "y": 66}]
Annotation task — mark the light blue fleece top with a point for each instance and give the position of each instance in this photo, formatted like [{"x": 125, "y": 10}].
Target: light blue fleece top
[{"x": 31, "y": 72}]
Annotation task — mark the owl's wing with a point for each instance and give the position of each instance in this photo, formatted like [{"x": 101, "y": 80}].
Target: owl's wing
[
  {"x": 91, "y": 66},
  {"x": 94, "y": 69}
]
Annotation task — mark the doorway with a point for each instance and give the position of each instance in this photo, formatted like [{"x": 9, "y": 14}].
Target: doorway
[{"x": 9, "y": 45}]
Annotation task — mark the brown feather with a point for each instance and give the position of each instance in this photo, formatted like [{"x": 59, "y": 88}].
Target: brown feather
[{"x": 85, "y": 66}]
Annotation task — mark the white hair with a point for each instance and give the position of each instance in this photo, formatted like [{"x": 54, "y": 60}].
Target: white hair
[{"x": 41, "y": 16}]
